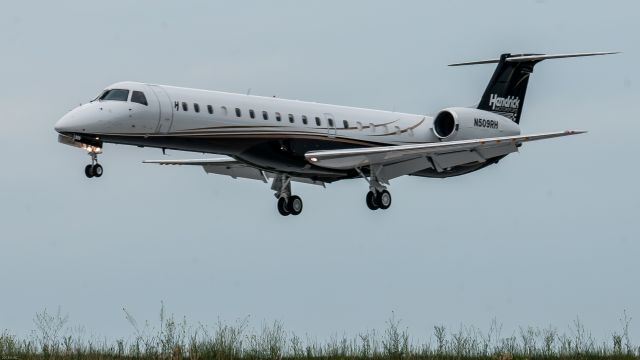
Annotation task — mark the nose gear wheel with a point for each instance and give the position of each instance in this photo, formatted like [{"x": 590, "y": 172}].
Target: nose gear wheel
[{"x": 94, "y": 169}]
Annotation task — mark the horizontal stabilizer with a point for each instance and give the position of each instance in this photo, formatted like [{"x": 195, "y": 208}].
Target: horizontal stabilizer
[
  {"x": 533, "y": 57},
  {"x": 479, "y": 62}
]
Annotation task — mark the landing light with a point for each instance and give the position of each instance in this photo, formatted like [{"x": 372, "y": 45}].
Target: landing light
[
  {"x": 313, "y": 159},
  {"x": 92, "y": 149}
]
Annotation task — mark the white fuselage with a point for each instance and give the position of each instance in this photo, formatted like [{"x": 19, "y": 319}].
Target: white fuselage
[
  {"x": 161, "y": 117},
  {"x": 267, "y": 132}
]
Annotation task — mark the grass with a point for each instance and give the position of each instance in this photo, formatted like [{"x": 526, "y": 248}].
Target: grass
[{"x": 175, "y": 339}]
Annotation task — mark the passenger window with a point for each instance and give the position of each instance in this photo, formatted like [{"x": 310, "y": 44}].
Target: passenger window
[
  {"x": 318, "y": 122},
  {"x": 291, "y": 118},
  {"x": 185, "y": 107},
  {"x": 345, "y": 124},
  {"x": 225, "y": 111},
  {"x": 138, "y": 97},
  {"x": 330, "y": 120},
  {"x": 210, "y": 109},
  {"x": 304, "y": 119},
  {"x": 359, "y": 125},
  {"x": 278, "y": 117},
  {"x": 252, "y": 114},
  {"x": 238, "y": 112},
  {"x": 265, "y": 115},
  {"x": 115, "y": 95},
  {"x": 196, "y": 107}
]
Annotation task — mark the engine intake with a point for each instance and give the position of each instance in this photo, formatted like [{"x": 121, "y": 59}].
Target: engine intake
[{"x": 444, "y": 124}]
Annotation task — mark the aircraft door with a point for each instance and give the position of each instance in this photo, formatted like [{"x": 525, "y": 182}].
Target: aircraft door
[
  {"x": 331, "y": 125},
  {"x": 166, "y": 109}
]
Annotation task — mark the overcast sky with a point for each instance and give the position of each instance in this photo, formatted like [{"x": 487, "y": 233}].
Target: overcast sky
[{"x": 549, "y": 234}]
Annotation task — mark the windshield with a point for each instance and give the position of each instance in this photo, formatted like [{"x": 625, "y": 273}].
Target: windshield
[{"x": 114, "y": 94}]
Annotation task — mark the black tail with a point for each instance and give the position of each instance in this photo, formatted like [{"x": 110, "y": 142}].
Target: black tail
[{"x": 508, "y": 86}]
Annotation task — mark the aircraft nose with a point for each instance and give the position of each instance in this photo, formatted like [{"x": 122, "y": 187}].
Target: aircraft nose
[
  {"x": 62, "y": 125},
  {"x": 70, "y": 123}
]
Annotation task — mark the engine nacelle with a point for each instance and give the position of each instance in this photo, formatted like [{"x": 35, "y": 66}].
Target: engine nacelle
[{"x": 465, "y": 123}]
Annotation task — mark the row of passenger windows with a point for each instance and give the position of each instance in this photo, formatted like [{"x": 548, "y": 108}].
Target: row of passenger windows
[
  {"x": 265, "y": 115},
  {"x": 290, "y": 117}
]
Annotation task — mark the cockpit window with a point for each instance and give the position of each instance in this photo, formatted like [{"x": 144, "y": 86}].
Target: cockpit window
[
  {"x": 115, "y": 95},
  {"x": 138, "y": 97}
]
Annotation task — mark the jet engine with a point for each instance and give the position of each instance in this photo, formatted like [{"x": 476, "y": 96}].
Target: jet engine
[{"x": 466, "y": 123}]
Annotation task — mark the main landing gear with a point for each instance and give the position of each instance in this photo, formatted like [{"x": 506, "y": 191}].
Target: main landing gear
[
  {"x": 378, "y": 196},
  {"x": 378, "y": 199},
  {"x": 287, "y": 204},
  {"x": 94, "y": 169}
]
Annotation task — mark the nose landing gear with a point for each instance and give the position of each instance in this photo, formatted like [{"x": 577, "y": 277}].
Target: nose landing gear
[
  {"x": 94, "y": 169},
  {"x": 93, "y": 147}
]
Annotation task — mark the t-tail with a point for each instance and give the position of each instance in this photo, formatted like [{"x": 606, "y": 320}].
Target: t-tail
[{"x": 508, "y": 86}]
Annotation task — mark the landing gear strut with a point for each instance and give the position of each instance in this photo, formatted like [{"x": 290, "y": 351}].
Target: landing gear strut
[
  {"x": 94, "y": 169},
  {"x": 378, "y": 196},
  {"x": 287, "y": 204}
]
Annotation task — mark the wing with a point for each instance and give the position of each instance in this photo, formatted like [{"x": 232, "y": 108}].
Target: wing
[
  {"x": 225, "y": 165},
  {"x": 400, "y": 160}
]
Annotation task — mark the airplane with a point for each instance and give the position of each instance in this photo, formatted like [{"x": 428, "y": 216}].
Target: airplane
[{"x": 283, "y": 141}]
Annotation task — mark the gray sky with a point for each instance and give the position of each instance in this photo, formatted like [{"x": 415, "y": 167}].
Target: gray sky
[{"x": 549, "y": 234}]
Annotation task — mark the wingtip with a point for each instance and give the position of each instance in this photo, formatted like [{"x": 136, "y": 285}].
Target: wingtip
[
  {"x": 575, "y": 132},
  {"x": 604, "y": 53}
]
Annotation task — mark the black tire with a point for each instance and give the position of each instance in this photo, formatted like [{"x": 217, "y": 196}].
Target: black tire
[
  {"x": 371, "y": 201},
  {"x": 294, "y": 205},
  {"x": 282, "y": 207},
  {"x": 383, "y": 199},
  {"x": 88, "y": 171},
  {"x": 97, "y": 170}
]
